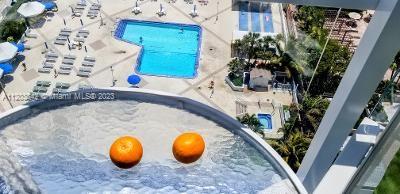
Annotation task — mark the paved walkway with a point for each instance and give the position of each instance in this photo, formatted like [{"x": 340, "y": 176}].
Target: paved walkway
[{"x": 113, "y": 64}]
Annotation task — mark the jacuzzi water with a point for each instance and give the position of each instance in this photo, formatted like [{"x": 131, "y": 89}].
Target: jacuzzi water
[{"x": 65, "y": 150}]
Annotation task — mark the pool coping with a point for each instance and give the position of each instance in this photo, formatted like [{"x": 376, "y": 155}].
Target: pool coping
[
  {"x": 167, "y": 99},
  {"x": 121, "y": 28}
]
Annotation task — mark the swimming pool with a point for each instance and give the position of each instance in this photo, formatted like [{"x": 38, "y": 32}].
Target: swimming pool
[
  {"x": 267, "y": 18},
  {"x": 255, "y": 17},
  {"x": 265, "y": 120},
  {"x": 243, "y": 16},
  {"x": 168, "y": 49},
  {"x": 260, "y": 17}
]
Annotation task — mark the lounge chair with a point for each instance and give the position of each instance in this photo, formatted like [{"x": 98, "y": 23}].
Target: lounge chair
[
  {"x": 59, "y": 90},
  {"x": 63, "y": 85},
  {"x": 66, "y": 30},
  {"x": 48, "y": 65},
  {"x": 64, "y": 71},
  {"x": 44, "y": 70},
  {"x": 89, "y": 58},
  {"x": 81, "y": 3},
  {"x": 95, "y": 5},
  {"x": 80, "y": 7},
  {"x": 68, "y": 67},
  {"x": 43, "y": 83},
  {"x": 83, "y": 74},
  {"x": 61, "y": 38},
  {"x": 64, "y": 34},
  {"x": 85, "y": 69},
  {"x": 83, "y": 31},
  {"x": 70, "y": 57},
  {"x": 76, "y": 14},
  {"x": 35, "y": 95},
  {"x": 39, "y": 89},
  {"x": 59, "y": 42},
  {"x": 93, "y": 11},
  {"x": 94, "y": 8},
  {"x": 79, "y": 40},
  {"x": 84, "y": 86},
  {"x": 80, "y": 35},
  {"x": 51, "y": 55},
  {"x": 68, "y": 61},
  {"x": 50, "y": 60},
  {"x": 92, "y": 16},
  {"x": 88, "y": 63}
]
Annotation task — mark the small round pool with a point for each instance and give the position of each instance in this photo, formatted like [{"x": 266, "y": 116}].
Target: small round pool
[{"x": 62, "y": 147}]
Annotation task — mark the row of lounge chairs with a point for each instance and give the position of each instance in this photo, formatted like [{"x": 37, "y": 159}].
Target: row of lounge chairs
[
  {"x": 87, "y": 64},
  {"x": 77, "y": 11},
  {"x": 48, "y": 64},
  {"x": 63, "y": 36},
  {"x": 40, "y": 87},
  {"x": 67, "y": 64},
  {"x": 93, "y": 10}
]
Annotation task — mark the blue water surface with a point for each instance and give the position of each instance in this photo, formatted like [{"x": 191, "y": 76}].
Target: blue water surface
[
  {"x": 255, "y": 17},
  {"x": 267, "y": 18},
  {"x": 243, "y": 16},
  {"x": 168, "y": 49},
  {"x": 265, "y": 120}
]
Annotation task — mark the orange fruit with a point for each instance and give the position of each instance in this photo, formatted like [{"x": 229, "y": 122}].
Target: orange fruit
[
  {"x": 188, "y": 147},
  {"x": 126, "y": 152}
]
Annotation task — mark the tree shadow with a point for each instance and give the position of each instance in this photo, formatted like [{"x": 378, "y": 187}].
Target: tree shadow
[{"x": 38, "y": 24}]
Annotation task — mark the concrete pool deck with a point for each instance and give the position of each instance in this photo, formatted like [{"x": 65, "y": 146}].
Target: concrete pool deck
[{"x": 217, "y": 35}]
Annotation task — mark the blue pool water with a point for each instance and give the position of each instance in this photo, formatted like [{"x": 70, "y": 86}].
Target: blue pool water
[
  {"x": 260, "y": 15},
  {"x": 266, "y": 121},
  {"x": 168, "y": 49},
  {"x": 267, "y": 18},
  {"x": 255, "y": 17},
  {"x": 243, "y": 16}
]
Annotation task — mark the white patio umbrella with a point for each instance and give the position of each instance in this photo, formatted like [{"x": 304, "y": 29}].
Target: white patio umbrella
[
  {"x": 7, "y": 51},
  {"x": 31, "y": 9}
]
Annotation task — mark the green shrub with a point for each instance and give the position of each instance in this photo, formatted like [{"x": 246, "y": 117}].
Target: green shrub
[
  {"x": 236, "y": 79},
  {"x": 12, "y": 29}
]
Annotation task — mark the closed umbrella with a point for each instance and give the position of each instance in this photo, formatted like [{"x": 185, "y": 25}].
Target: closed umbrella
[
  {"x": 6, "y": 67},
  {"x": 7, "y": 51},
  {"x": 134, "y": 79},
  {"x": 31, "y": 9}
]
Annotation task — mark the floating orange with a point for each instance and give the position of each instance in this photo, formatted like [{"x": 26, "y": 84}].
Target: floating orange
[
  {"x": 126, "y": 152},
  {"x": 188, "y": 147}
]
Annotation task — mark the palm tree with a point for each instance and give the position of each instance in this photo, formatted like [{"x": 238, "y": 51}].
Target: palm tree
[
  {"x": 251, "y": 45},
  {"x": 236, "y": 66},
  {"x": 252, "y": 122},
  {"x": 293, "y": 148},
  {"x": 312, "y": 109}
]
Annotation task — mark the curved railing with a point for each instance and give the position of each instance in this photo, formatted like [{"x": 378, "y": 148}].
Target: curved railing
[{"x": 157, "y": 97}]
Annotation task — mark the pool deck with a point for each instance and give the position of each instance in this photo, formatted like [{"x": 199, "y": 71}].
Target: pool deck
[{"x": 217, "y": 35}]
